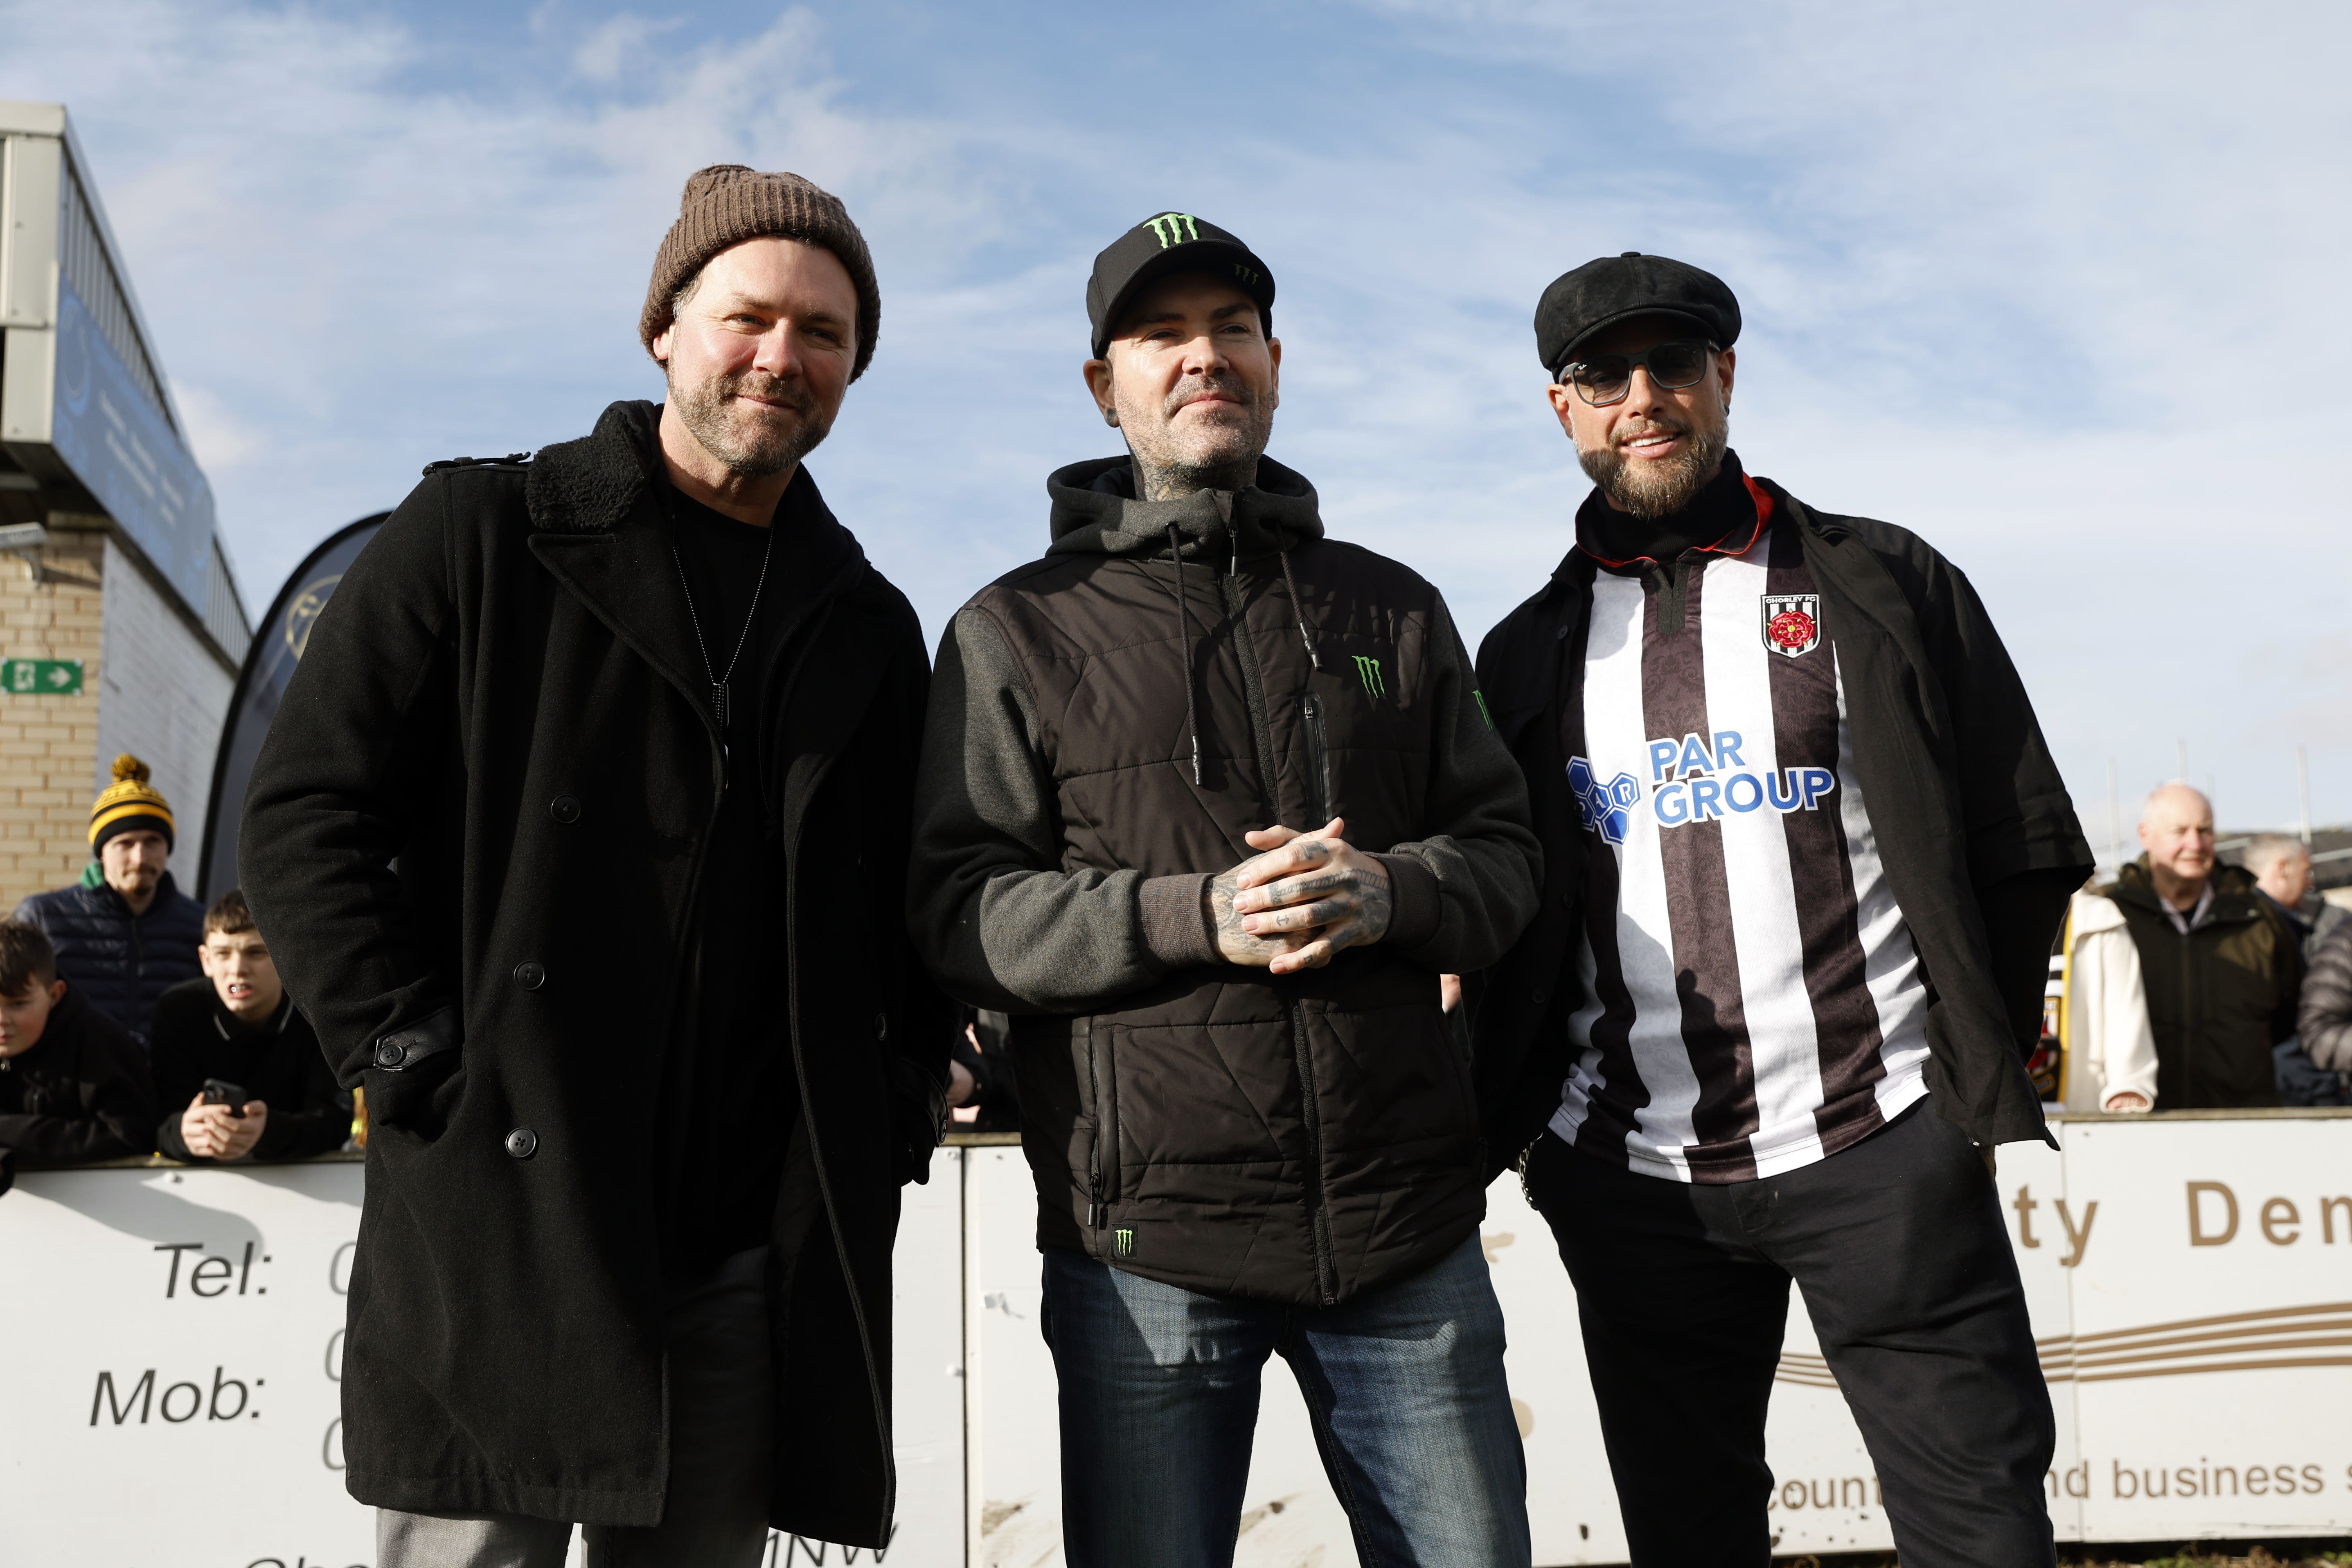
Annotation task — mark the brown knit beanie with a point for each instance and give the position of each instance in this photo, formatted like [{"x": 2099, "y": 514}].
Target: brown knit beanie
[{"x": 727, "y": 204}]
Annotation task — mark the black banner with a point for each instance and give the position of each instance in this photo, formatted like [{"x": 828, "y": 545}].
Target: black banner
[{"x": 278, "y": 644}]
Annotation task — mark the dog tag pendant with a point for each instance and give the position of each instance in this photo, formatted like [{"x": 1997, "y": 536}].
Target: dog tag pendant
[{"x": 720, "y": 700}]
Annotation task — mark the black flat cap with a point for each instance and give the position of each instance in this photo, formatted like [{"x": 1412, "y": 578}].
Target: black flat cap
[
  {"x": 1171, "y": 242},
  {"x": 1617, "y": 288}
]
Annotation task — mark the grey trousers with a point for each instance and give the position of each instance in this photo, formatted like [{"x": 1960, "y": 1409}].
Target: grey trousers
[{"x": 721, "y": 1410}]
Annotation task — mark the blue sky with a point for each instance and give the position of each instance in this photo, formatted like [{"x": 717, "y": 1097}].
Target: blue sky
[{"x": 2061, "y": 287}]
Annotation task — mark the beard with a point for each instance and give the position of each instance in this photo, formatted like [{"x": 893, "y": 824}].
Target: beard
[
  {"x": 751, "y": 440},
  {"x": 1661, "y": 488},
  {"x": 1219, "y": 455}
]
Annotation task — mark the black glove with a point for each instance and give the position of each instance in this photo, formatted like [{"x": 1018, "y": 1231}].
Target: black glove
[{"x": 918, "y": 1121}]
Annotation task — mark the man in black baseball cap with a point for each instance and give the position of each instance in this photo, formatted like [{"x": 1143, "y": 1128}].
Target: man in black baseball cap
[
  {"x": 1209, "y": 805},
  {"x": 1784, "y": 774}
]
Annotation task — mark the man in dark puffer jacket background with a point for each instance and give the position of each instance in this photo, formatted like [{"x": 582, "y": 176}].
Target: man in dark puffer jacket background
[
  {"x": 125, "y": 934},
  {"x": 1250, "y": 1127}
]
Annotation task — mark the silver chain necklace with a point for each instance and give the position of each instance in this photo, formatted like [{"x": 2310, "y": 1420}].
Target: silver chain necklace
[{"x": 722, "y": 693}]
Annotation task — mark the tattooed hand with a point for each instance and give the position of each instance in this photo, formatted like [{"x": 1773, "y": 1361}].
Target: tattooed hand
[{"x": 1308, "y": 898}]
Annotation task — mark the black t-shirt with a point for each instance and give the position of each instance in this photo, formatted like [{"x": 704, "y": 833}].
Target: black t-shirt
[{"x": 728, "y": 1097}]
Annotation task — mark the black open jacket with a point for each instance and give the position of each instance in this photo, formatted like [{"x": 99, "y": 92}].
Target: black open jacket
[
  {"x": 1974, "y": 826},
  {"x": 473, "y": 839}
]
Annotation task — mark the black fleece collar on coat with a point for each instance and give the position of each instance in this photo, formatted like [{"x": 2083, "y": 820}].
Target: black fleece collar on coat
[
  {"x": 1096, "y": 513},
  {"x": 596, "y": 509}
]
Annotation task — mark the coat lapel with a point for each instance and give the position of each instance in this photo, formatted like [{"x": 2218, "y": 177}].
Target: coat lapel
[{"x": 597, "y": 525}]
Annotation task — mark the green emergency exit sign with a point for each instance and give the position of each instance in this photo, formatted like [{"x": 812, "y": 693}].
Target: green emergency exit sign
[{"x": 40, "y": 677}]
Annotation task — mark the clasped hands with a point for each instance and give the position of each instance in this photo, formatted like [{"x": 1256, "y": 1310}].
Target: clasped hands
[
  {"x": 216, "y": 1132},
  {"x": 1301, "y": 902}
]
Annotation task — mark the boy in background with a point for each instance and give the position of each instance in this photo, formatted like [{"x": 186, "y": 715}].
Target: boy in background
[
  {"x": 236, "y": 1025},
  {"x": 73, "y": 1082}
]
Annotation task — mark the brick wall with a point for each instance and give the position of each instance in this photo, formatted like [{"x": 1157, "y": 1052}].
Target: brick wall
[
  {"x": 150, "y": 686},
  {"x": 46, "y": 741}
]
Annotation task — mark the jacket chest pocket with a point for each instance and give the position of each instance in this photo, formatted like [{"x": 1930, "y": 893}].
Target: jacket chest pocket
[{"x": 1356, "y": 732}]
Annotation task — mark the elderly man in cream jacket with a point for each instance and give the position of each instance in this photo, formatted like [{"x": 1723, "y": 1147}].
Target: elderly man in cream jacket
[{"x": 2110, "y": 1049}]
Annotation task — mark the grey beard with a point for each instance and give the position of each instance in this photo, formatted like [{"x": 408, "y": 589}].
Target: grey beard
[
  {"x": 1177, "y": 480},
  {"x": 1160, "y": 476},
  {"x": 1658, "y": 489},
  {"x": 761, "y": 450}
]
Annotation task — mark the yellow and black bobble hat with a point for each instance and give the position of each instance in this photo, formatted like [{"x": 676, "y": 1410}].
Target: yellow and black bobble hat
[{"x": 129, "y": 805}]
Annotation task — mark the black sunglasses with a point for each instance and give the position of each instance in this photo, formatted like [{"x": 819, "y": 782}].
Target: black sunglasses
[{"x": 1606, "y": 378}]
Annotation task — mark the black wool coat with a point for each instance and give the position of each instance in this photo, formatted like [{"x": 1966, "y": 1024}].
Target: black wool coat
[
  {"x": 1974, "y": 826},
  {"x": 474, "y": 836}
]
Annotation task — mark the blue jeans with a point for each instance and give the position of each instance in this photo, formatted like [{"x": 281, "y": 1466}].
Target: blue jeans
[{"x": 1404, "y": 1386}]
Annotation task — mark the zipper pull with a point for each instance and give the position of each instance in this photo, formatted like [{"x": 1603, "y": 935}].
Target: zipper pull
[{"x": 1094, "y": 1215}]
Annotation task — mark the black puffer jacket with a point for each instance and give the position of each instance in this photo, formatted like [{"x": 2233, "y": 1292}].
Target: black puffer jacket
[
  {"x": 2323, "y": 1017},
  {"x": 1297, "y": 1139},
  {"x": 121, "y": 963}
]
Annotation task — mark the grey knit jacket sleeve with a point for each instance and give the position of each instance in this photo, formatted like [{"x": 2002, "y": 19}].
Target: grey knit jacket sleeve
[
  {"x": 1000, "y": 922},
  {"x": 2323, "y": 1018}
]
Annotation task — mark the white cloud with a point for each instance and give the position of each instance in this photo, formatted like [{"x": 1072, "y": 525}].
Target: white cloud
[{"x": 2058, "y": 287}]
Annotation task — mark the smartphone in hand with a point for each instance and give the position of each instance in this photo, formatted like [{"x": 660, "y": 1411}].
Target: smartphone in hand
[{"x": 219, "y": 1091}]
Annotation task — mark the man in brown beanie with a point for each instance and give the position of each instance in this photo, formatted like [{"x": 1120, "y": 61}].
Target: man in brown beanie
[{"x": 593, "y": 756}]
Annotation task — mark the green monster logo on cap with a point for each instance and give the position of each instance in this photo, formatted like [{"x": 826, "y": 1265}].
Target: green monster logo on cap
[{"x": 1173, "y": 227}]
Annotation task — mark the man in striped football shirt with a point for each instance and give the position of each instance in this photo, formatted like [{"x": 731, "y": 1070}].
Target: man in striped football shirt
[{"x": 1805, "y": 851}]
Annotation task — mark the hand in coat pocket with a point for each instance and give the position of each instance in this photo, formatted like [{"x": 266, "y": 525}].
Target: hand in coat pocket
[{"x": 419, "y": 1100}]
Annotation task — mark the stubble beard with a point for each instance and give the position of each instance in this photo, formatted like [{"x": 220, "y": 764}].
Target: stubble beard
[
  {"x": 751, "y": 441},
  {"x": 1219, "y": 456},
  {"x": 1658, "y": 489}
]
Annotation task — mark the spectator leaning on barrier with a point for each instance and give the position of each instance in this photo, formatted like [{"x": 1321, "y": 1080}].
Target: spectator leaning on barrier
[
  {"x": 646, "y": 1049},
  {"x": 2223, "y": 964},
  {"x": 2281, "y": 867},
  {"x": 236, "y": 1025},
  {"x": 2324, "y": 1013},
  {"x": 1783, "y": 772},
  {"x": 1249, "y": 1128},
  {"x": 2110, "y": 1047},
  {"x": 73, "y": 1083},
  {"x": 124, "y": 935}
]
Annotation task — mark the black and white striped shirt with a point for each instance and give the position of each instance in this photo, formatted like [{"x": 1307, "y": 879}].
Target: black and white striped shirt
[{"x": 1753, "y": 999}]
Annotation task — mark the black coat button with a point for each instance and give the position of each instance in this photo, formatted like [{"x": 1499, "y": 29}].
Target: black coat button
[
  {"x": 565, "y": 808},
  {"x": 1539, "y": 994},
  {"x": 881, "y": 1026},
  {"x": 390, "y": 1053},
  {"x": 530, "y": 975},
  {"x": 1560, "y": 636},
  {"x": 523, "y": 1142}
]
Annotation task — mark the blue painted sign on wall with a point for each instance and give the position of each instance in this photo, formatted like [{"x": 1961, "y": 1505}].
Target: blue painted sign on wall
[{"x": 120, "y": 445}]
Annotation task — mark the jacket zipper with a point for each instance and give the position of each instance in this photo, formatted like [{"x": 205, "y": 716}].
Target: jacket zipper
[
  {"x": 1102, "y": 1188},
  {"x": 1262, "y": 742},
  {"x": 1319, "y": 761}
]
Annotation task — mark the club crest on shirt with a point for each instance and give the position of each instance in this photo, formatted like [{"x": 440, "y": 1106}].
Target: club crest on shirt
[{"x": 1792, "y": 622}]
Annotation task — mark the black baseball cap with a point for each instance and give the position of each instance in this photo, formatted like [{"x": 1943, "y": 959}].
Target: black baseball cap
[
  {"x": 1166, "y": 243},
  {"x": 1617, "y": 288}
]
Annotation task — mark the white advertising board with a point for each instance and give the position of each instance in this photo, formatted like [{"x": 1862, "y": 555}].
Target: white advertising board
[
  {"x": 2190, "y": 1286},
  {"x": 173, "y": 1397}
]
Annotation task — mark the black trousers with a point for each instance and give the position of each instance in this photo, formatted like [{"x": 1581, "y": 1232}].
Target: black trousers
[{"x": 1899, "y": 1247}]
